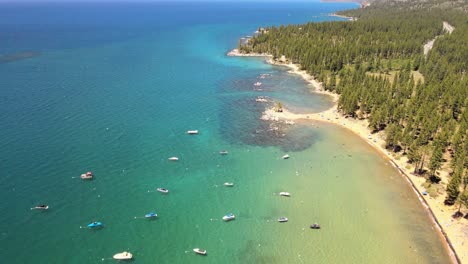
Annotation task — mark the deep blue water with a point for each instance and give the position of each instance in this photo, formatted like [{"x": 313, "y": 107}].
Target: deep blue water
[{"x": 112, "y": 88}]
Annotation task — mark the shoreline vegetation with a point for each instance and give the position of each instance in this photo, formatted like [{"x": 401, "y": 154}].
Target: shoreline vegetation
[
  {"x": 432, "y": 158},
  {"x": 440, "y": 215}
]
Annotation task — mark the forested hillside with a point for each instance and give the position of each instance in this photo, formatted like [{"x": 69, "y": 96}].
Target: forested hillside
[{"x": 377, "y": 65}]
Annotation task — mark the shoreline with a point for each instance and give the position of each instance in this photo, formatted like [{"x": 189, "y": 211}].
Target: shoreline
[
  {"x": 236, "y": 53},
  {"x": 450, "y": 230},
  {"x": 345, "y": 17}
]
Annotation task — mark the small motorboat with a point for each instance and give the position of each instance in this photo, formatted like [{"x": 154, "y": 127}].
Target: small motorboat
[
  {"x": 285, "y": 194},
  {"x": 257, "y": 84},
  {"x": 151, "y": 215},
  {"x": 162, "y": 190},
  {"x": 173, "y": 158},
  {"x": 95, "y": 225},
  {"x": 192, "y": 132},
  {"x": 282, "y": 219},
  {"x": 228, "y": 184},
  {"x": 41, "y": 207},
  {"x": 229, "y": 217},
  {"x": 87, "y": 176},
  {"x": 123, "y": 256},
  {"x": 223, "y": 152},
  {"x": 199, "y": 251},
  {"x": 285, "y": 156},
  {"x": 315, "y": 226}
]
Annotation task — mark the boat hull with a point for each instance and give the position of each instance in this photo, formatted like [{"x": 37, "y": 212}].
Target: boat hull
[
  {"x": 161, "y": 190},
  {"x": 95, "y": 225},
  {"x": 41, "y": 207},
  {"x": 151, "y": 215},
  {"x": 199, "y": 251},
  {"x": 123, "y": 256}
]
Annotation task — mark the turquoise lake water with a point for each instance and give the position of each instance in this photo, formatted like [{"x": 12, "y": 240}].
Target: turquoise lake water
[{"x": 112, "y": 88}]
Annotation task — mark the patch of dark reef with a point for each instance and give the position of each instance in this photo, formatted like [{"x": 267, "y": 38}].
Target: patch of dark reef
[
  {"x": 18, "y": 56},
  {"x": 241, "y": 123}
]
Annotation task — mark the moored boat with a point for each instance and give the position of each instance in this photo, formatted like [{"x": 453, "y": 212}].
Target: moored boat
[
  {"x": 315, "y": 226},
  {"x": 95, "y": 225},
  {"x": 41, "y": 207},
  {"x": 229, "y": 217},
  {"x": 123, "y": 256},
  {"x": 87, "y": 176},
  {"x": 282, "y": 219},
  {"x": 285, "y": 156},
  {"x": 228, "y": 184},
  {"x": 192, "y": 132},
  {"x": 223, "y": 152},
  {"x": 199, "y": 251},
  {"x": 257, "y": 83},
  {"x": 285, "y": 194},
  {"x": 173, "y": 158},
  {"x": 162, "y": 190},
  {"x": 151, "y": 215}
]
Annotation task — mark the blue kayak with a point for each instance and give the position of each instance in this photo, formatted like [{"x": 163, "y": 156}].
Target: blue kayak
[
  {"x": 95, "y": 224},
  {"x": 151, "y": 215}
]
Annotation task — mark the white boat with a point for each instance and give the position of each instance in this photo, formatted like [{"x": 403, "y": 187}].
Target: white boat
[
  {"x": 162, "y": 190},
  {"x": 257, "y": 83},
  {"x": 41, "y": 207},
  {"x": 285, "y": 194},
  {"x": 223, "y": 152},
  {"x": 285, "y": 156},
  {"x": 229, "y": 217},
  {"x": 199, "y": 251},
  {"x": 123, "y": 256},
  {"x": 87, "y": 176},
  {"x": 282, "y": 219},
  {"x": 228, "y": 184},
  {"x": 192, "y": 132},
  {"x": 173, "y": 158}
]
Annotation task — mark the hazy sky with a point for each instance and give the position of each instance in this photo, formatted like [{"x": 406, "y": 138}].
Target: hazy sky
[
  {"x": 16, "y": 1},
  {"x": 64, "y": 1}
]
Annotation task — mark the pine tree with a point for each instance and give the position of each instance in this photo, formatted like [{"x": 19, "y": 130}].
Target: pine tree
[
  {"x": 392, "y": 136},
  {"x": 453, "y": 188},
  {"x": 436, "y": 162},
  {"x": 462, "y": 201}
]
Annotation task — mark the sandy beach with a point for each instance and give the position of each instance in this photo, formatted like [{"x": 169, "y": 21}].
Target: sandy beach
[{"x": 453, "y": 231}]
